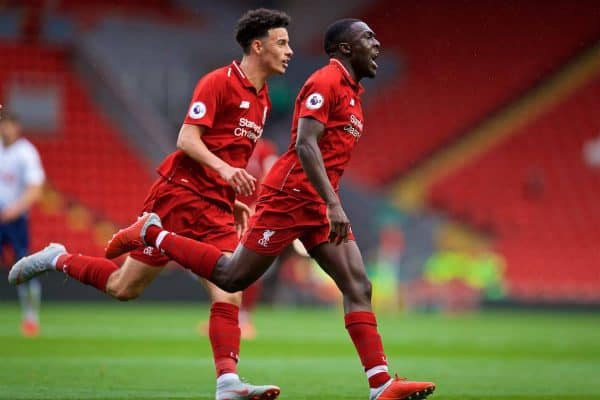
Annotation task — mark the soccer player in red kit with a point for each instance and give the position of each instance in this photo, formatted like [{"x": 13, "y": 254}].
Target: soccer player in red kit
[
  {"x": 300, "y": 199},
  {"x": 195, "y": 194}
]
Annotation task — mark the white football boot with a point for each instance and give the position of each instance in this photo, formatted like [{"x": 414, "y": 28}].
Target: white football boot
[
  {"x": 236, "y": 389},
  {"x": 35, "y": 264}
]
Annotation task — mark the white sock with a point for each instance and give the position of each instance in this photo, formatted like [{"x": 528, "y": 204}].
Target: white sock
[
  {"x": 225, "y": 378},
  {"x": 160, "y": 238},
  {"x": 31, "y": 315},
  {"x": 55, "y": 260},
  {"x": 374, "y": 371}
]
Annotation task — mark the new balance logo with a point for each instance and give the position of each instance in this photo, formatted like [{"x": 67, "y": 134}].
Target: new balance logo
[
  {"x": 245, "y": 104},
  {"x": 264, "y": 241}
]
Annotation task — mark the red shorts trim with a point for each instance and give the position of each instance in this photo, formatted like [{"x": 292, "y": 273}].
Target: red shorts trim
[
  {"x": 188, "y": 214},
  {"x": 281, "y": 218}
]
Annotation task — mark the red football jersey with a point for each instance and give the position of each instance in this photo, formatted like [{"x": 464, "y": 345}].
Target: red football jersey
[
  {"x": 331, "y": 97},
  {"x": 263, "y": 157},
  {"x": 227, "y": 104}
]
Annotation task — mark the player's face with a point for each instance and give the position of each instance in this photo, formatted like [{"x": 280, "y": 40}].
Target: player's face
[
  {"x": 9, "y": 131},
  {"x": 365, "y": 49},
  {"x": 276, "y": 52}
]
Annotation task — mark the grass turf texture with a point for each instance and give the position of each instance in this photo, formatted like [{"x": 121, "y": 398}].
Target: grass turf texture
[{"x": 151, "y": 351}]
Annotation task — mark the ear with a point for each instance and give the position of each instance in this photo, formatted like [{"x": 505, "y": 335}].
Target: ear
[
  {"x": 345, "y": 49},
  {"x": 256, "y": 46}
]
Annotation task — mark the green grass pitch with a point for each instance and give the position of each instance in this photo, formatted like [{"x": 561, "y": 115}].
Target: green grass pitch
[{"x": 152, "y": 351}]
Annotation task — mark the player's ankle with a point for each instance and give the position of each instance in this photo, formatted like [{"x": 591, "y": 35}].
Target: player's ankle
[
  {"x": 152, "y": 235},
  {"x": 59, "y": 261},
  {"x": 226, "y": 377}
]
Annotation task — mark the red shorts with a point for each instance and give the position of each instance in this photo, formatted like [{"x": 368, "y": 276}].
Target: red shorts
[
  {"x": 281, "y": 218},
  {"x": 187, "y": 214}
]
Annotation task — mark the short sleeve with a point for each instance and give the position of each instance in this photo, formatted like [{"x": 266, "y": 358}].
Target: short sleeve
[
  {"x": 205, "y": 101},
  {"x": 317, "y": 100},
  {"x": 33, "y": 171}
]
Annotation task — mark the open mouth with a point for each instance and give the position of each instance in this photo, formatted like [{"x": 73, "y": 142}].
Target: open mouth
[
  {"x": 286, "y": 63},
  {"x": 373, "y": 58}
]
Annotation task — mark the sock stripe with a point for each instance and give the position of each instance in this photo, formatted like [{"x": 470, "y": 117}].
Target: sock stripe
[
  {"x": 376, "y": 370},
  {"x": 160, "y": 238}
]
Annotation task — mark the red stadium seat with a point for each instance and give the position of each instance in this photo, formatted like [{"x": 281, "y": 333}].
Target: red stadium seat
[
  {"x": 85, "y": 157},
  {"x": 457, "y": 68},
  {"x": 541, "y": 198}
]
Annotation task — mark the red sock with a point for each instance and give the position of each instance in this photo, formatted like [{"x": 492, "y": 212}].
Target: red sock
[
  {"x": 362, "y": 327},
  {"x": 93, "y": 271},
  {"x": 198, "y": 257},
  {"x": 152, "y": 234},
  {"x": 224, "y": 333}
]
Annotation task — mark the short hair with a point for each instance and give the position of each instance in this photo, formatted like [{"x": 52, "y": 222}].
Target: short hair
[
  {"x": 8, "y": 116},
  {"x": 255, "y": 24},
  {"x": 337, "y": 33}
]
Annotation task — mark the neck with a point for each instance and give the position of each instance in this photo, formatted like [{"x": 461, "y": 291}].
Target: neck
[
  {"x": 6, "y": 142},
  {"x": 346, "y": 63},
  {"x": 253, "y": 71}
]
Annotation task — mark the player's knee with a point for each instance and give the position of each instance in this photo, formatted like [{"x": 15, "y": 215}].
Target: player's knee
[
  {"x": 233, "y": 286},
  {"x": 227, "y": 281},
  {"x": 364, "y": 289},
  {"x": 126, "y": 293},
  {"x": 359, "y": 291},
  {"x": 367, "y": 289}
]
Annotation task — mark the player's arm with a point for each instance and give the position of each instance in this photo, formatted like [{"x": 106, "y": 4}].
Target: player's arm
[
  {"x": 19, "y": 207},
  {"x": 307, "y": 148},
  {"x": 190, "y": 142},
  {"x": 241, "y": 214}
]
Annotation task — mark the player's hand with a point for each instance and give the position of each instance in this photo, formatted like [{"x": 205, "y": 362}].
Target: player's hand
[
  {"x": 339, "y": 224},
  {"x": 239, "y": 179},
  {"x": 9, "y": 214},
  {"x": 241, "y": 213}
]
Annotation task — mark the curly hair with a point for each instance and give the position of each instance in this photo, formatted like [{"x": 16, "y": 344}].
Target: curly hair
[
  {"x": 255, "y": 24},
  {"x": 8, "y": 116},
  {"x": 338, "y": 32}
]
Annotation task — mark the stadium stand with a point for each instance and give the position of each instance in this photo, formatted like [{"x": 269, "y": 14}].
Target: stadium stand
[
  {"x": 458, "y": 68},
  {"x": 89, "y": 12},
  {"x": 538, "y": 193},
  {"x": 84, "y": 155}
]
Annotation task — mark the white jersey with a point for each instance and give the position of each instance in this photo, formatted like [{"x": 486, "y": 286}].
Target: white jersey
[{"x": 20, "y": 167}]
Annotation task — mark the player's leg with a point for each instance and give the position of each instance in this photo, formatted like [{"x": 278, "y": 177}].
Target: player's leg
[
  {"x": 223, "y": 326},
  {"x": 93, "y": 271},
  {"x": 205, "y": 260},
  {"x": 123, "y": 283},
  {"x": 224, "y": 334},
  {"x": 16, "y": 233},
  {"x": 249, "y": 301},
  {"x": 134, "y": 276},
  {"x": 231, "y": 274},
  {"x": 216, "y": 226},
  {"x": 223, "y": 329},
  {"x": 29, "y": 298},
  {"x": 345, "y": 265},
  {"x": 195, "y": 218}
]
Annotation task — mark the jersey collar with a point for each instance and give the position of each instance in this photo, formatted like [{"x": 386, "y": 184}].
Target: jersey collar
[
  {"x": 356, "y": 86},
  {"x": 234, "y": 69}
]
